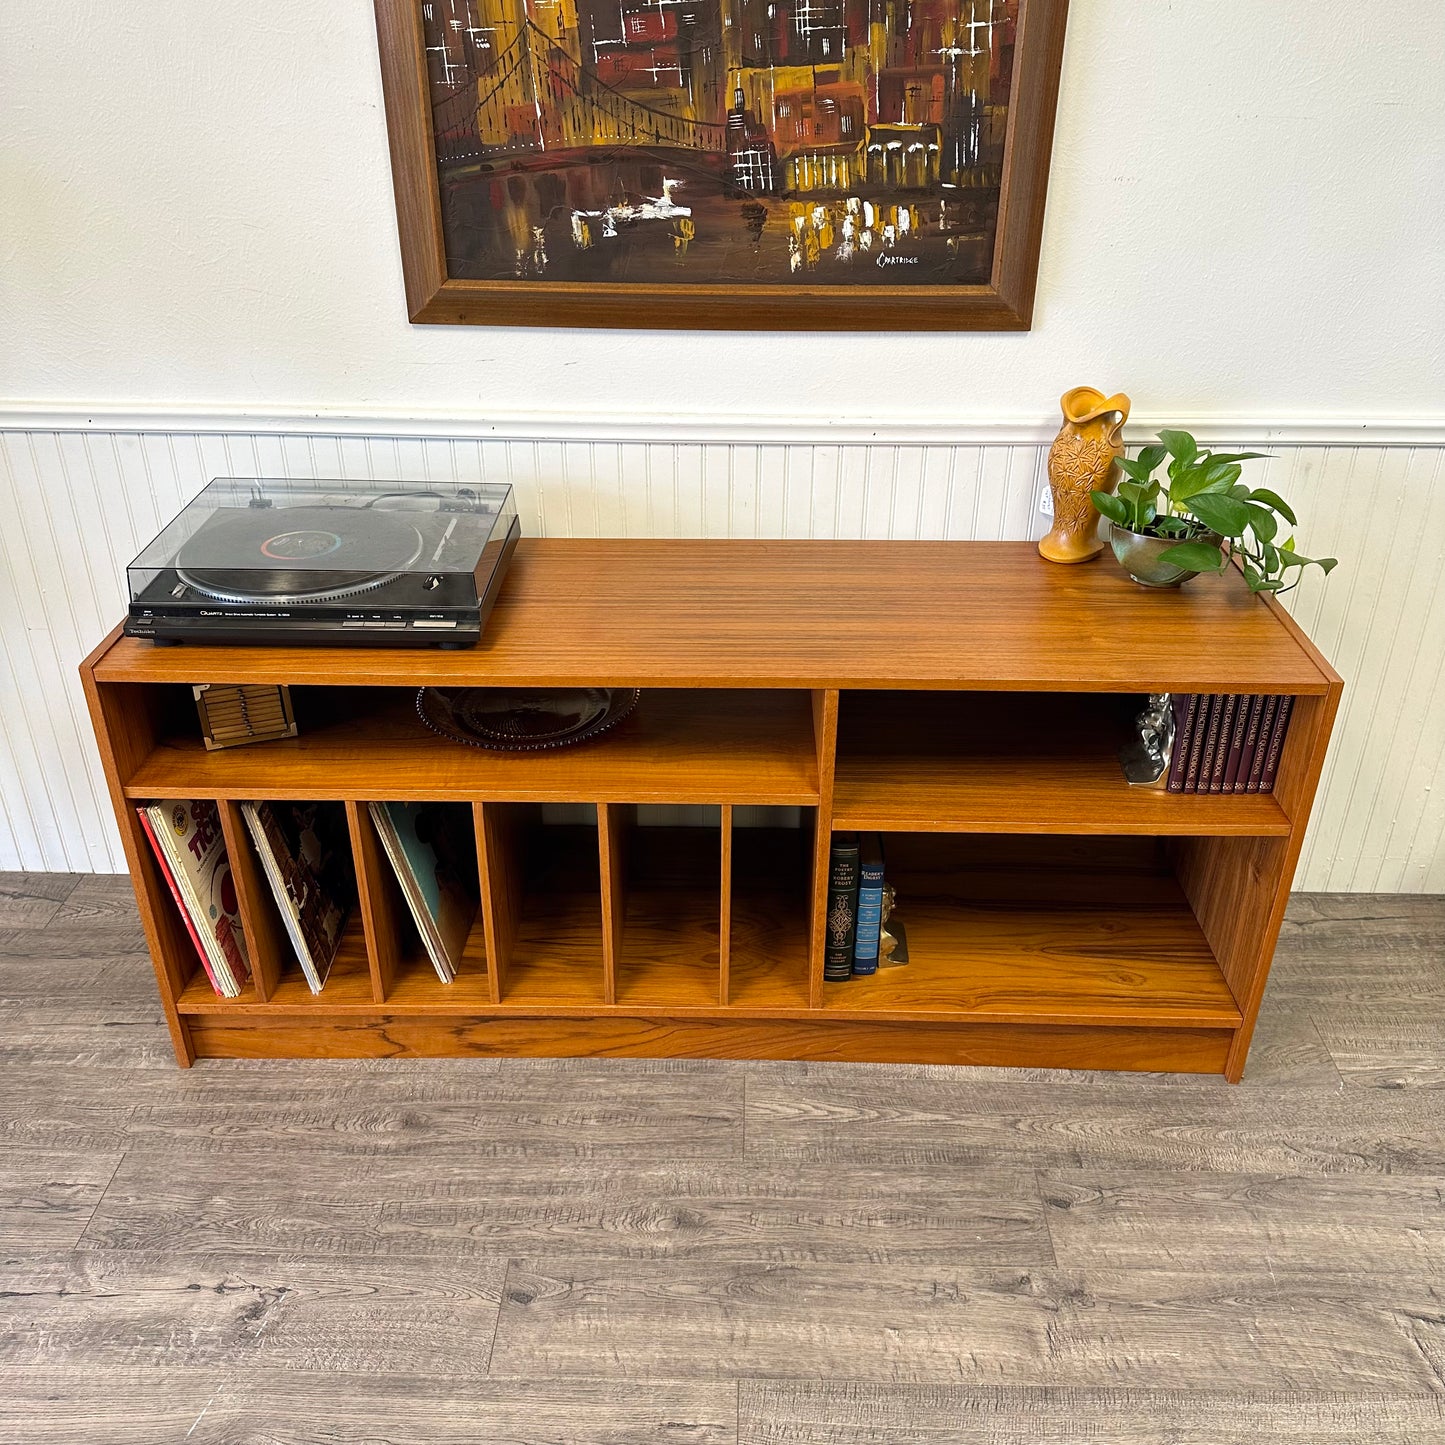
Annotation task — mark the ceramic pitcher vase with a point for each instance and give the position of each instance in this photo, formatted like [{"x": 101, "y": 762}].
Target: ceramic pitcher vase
[{"x": 1081, "y": 461}]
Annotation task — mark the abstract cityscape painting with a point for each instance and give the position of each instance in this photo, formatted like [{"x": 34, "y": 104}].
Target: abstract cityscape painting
[{"x": 618, "y": 160}]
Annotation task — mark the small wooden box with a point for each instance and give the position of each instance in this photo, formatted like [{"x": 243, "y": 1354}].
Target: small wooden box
[{"x": 232, "y": 714}]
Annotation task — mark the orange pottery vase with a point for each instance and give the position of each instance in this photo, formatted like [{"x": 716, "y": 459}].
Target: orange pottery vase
[{"x": 1081, "y": 461}]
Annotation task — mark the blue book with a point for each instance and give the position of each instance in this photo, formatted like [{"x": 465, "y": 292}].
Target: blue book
[{"x": 870, "y": 904}]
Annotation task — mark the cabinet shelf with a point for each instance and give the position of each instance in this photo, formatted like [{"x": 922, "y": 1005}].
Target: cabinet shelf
[
  {"x": 1015, "y": 763},
  {"x": 678, "y": 747},
  {"x": 1033, "y": 964}
]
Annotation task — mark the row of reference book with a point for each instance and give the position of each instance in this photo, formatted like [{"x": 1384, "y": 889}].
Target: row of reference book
[
  {"x": 857, "y": 941},
  {"x": 304, "y": 850},
  {"x": 1227, "y": 742}
]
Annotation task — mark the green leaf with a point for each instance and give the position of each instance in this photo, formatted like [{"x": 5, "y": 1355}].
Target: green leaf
[
  {"x": 1222, "y": 476},
  {"x": 1182, "y": 446},
  {"x": 1222, "y": 513},
  {"x": 1264, "y": 522},
  {"x": 1273, "y": 499},
  {"x": 1253, "y": 576},
  {"x": 1236, "y": 456},
  {"x": 1151, "y": 456},
  {"x": 1186, "y": 482},
  {"x": 1271, "y": 555},
  {"x": 1196, "y": 556},
  {"x": 1111, "y": 507},
  {"x": 1288, "y": 557},
  {"x": 1135, "y": 469}
]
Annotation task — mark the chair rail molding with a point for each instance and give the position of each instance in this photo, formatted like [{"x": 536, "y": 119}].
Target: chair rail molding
[{"x": 83, "y": 488}]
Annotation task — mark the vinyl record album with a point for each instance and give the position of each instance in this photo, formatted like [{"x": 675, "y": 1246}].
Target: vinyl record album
[{"x": 296, "y": 554}]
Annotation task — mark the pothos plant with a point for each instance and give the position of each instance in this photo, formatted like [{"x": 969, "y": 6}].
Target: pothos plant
[{"x": 1212, "y": 514}]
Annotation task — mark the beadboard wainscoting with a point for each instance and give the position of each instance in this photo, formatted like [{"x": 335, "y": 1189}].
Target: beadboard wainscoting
[{"x": 79, "y": 498}]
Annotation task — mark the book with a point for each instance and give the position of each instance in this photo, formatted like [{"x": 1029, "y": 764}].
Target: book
[
  {"x": 305, "y": 852},
  {"x": 1220, "y": 761},
  {"x": 870, "y": 904},
  {"x": 1266, "y": 726},
  {"x": 1196, "y": 780},
  {"x": 842, "y": 920},
  {"x": 1186, "y": 712},
  {"x": 186, "y": 838},
  {"x": 1251, "y": 741},
  {"x": 433, "y": 852},
  {"x": 1276, "y": 743},
  {"x": 1236, "y": 742}
]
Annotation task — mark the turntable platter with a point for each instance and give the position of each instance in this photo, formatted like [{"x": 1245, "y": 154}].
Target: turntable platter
[{"x": 296, "y": 554}]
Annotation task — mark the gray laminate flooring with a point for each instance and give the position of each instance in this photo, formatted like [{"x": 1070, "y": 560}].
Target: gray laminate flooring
[{"x": 697, "y": 1253}]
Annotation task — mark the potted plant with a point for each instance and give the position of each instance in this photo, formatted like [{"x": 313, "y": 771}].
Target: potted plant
[{"x": 1165, "y": 533}]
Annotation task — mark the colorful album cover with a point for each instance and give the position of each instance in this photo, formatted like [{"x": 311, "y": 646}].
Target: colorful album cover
[
  {"x": 305, "y": 850},
  {"x": 187, "y": 839}
]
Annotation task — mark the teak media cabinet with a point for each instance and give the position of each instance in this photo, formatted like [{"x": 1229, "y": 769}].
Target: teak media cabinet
[{"x": 965, "y": 699}]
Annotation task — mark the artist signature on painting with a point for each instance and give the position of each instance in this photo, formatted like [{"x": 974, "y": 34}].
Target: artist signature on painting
[{"x": 888, "y": 259}]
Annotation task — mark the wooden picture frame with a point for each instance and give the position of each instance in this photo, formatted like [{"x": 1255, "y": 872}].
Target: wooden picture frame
[{"x": 1002, "y": 303}]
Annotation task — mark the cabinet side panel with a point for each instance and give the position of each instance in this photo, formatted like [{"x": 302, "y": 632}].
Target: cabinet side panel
[
  {"x": 1239, "y": 888},
  {"x": 125, "y": 731}
]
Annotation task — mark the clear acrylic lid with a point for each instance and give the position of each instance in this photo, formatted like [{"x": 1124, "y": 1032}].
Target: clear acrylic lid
[{"x": 320, "y": 536}]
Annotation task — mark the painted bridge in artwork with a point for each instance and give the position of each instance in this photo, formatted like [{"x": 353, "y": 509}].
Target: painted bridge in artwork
[{"x": 854, "y": 142}]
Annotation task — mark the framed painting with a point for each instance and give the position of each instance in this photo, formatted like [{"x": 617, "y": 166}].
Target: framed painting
[{"x": 750, "y": 164}]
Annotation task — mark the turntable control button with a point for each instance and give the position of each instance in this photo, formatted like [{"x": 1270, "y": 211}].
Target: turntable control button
[
  {"x": 391, "y": 625},
  {"x": 353, "y": 622},
  {"x": 432, "y": 622}
]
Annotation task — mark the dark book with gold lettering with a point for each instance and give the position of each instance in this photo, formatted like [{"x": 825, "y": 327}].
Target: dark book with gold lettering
[{"x": 842, "y": 920}]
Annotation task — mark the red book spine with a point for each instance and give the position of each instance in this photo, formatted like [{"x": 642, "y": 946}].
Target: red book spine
[
  {"x": 145, "y": 822},
  {"x": 1220, "y": 757},
  {"x": 1197, "y": 779},
  {"x": 1251, "y": 742},
  {"x": 1236, "y": 743},
  {"x": 1276, "y": 743},
  {"x": 1186, "y": 711},
  {"x": 1266, "y": 726}
]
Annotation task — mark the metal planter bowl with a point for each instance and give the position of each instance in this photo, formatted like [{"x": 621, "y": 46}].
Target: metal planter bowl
[{"x": 1140, "y": 556}]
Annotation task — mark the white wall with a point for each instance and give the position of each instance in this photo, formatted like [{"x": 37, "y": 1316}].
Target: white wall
[
  {"x": 197, "y": 247},
  {"x": 92, "y": 496},
  {"x": 1243, "y": 218}
]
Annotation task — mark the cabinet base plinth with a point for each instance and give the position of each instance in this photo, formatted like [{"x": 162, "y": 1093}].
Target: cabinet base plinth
[{"x": 1180, "y": 1051}]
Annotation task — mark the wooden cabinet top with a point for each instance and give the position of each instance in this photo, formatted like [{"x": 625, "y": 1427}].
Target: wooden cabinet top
[{"x": 809, "y": 614}]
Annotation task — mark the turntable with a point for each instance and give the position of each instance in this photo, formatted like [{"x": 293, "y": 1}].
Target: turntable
[{"x": 365, "y": 564}]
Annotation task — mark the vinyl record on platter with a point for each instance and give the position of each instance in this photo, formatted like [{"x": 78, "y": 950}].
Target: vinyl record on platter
[{"x": 296, "y": 554}]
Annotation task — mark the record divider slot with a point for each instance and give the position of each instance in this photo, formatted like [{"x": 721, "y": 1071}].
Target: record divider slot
[
  {"x": 725, "y": 920},
  {"x": 266, "y": 943},
  {"x": 501, "y": 884},
  {"x": 379, "y": 898},
  {"x": 612, "y": 822},
  {"x": 825, "y": 737}
]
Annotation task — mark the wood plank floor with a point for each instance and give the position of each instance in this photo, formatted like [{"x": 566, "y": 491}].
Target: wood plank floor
[{"x": 626, "y": 1252}]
